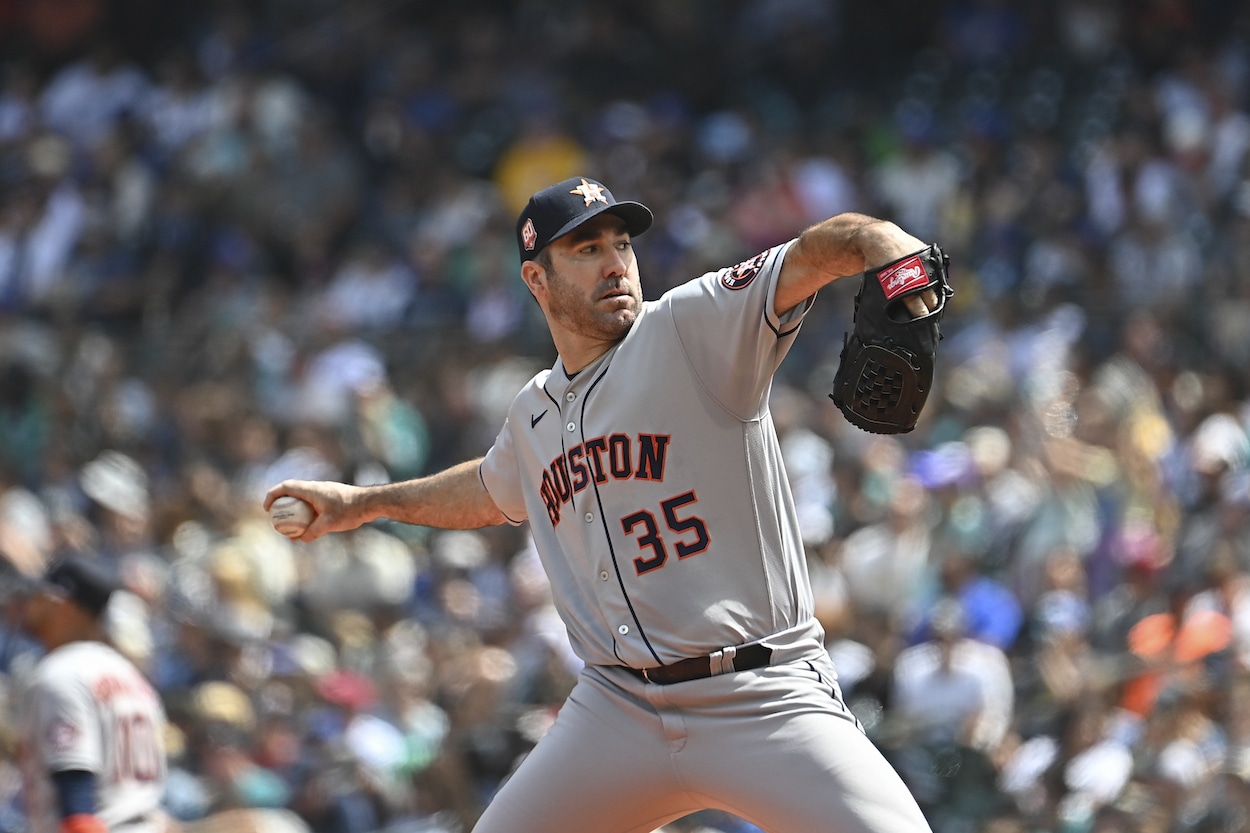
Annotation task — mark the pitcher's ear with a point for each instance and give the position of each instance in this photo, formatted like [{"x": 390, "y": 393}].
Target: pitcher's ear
[{"x": 533, "y": 274}]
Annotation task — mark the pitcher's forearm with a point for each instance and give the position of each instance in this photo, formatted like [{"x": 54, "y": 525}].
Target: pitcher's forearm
[
  {"x": 452, "y": 499},
  {"x": 838, "y": 247}
]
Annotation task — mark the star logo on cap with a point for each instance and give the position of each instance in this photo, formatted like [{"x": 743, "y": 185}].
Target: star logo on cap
[
  {"x": 590, "y": 191},
  {"x": 529, "y": 236}
]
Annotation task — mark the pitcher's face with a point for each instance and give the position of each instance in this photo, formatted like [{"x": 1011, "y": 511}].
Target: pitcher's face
[{"x": 592, "y": 288}]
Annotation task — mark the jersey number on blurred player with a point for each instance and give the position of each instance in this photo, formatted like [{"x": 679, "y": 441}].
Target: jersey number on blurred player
[
  {"x": 650, "y": 536},
  {"x": 138, "y": 754}
]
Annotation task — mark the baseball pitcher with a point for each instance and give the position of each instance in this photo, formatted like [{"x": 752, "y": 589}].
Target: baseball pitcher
[{"x": 646, "y": 464}]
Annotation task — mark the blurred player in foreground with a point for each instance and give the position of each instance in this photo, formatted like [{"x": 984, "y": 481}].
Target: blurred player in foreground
[{"x": 92, "y": 746}]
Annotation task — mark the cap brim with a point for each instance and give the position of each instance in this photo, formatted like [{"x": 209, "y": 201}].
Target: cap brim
[{"x": 637, "y": 217}]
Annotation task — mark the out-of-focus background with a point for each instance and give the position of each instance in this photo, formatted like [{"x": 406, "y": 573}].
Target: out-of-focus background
[{"x": 244, "y": 241}]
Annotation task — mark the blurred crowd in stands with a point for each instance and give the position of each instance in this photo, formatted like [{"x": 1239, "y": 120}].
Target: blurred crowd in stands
[{"x": 245, "y": 241}]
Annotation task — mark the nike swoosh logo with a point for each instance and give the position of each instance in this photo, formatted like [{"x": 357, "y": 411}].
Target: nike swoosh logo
[{"x": 534, "y": 419}]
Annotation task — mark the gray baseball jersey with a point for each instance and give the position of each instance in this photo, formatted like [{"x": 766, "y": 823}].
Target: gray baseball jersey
[
  {"x": 87, "y": 707},
  {"x": 653, "y": 479}
]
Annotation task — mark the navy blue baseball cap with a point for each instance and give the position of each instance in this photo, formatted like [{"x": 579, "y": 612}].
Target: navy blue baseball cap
[
  {"x": 558, "y": 209},
  {"x": 85, "y": 582}
]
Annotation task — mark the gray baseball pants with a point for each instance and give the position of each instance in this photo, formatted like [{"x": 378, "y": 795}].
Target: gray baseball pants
[{"x": 775, "y": 746}]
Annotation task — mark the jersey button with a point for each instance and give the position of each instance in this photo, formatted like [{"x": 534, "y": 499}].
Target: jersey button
[
  {"x": 571, "y": 426},
  {"x": 590, "y": 518},
  {"x": 623, "y": 629},
  {"x": 570, "y": 397},
  {"x": 603, "y": 575}
]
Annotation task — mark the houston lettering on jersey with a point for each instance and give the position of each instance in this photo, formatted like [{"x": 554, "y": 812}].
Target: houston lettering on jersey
[
  {"x": 609, "y": 457},
  {"x": 107, "y": 687}
]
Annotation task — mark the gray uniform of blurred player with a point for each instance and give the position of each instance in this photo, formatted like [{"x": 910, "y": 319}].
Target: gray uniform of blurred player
[
  {"x": 87, "y": 710},
  {"x": 647, "y": 466}
]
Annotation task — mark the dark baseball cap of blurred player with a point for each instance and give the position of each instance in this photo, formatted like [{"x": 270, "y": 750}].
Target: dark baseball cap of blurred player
[
  {"x": 558, "y": 209},
  {"x": 68, "y": 601}
]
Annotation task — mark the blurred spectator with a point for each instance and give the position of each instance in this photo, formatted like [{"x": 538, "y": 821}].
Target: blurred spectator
[
  {"x": 40, "y": 227},
  {"x": 541, "y": 154},
  {"x": 885, "y": 563},
  {"x": 918, "y": 183},
  {"x": 88, "y": 97},
  {"x": 178, "y": 108},
  {"x": 952, "y": 701},
  {"x": 371, "y": 291},
  {"x": 991, "y": 612},
  {"x": 952, "y": 687}
]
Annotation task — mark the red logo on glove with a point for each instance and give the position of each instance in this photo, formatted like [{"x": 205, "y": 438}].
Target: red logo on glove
[
  {"x": 903, "y": 277},
  {"x": 529, "y": 236}
]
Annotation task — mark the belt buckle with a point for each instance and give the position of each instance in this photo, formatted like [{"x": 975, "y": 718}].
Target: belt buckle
[{"x": 646, "y": 675}]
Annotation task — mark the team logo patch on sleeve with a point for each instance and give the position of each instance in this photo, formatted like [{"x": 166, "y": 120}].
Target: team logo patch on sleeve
[
  {"x": 62, "y": 735},
  {"x": 740, "y": 276},
  {"x": 903, "y": 277}
]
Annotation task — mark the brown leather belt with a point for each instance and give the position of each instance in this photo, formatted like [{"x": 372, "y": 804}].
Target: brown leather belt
[{"x": 696, "y": 668}]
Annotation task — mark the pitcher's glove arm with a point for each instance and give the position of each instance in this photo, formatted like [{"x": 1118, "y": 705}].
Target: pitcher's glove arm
[{"x": 886, "y": 370}]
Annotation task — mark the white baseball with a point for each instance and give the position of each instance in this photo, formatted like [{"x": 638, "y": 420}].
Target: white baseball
[{"x": 290, "y": 516}]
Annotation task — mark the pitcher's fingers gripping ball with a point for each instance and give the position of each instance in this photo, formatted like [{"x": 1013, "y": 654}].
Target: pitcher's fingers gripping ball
[
  {"x": 886, "y": 371},
  {"x": 290, "y": 516}
]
